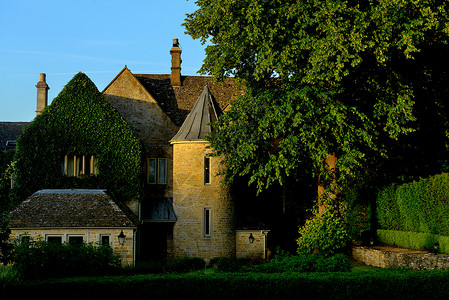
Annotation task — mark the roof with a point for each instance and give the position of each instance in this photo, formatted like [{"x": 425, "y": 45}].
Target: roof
[
  {"x": 177, "y": 102},
  {"x": 72, "y": 208},
  {"x": 159, "y": 210},
  {"x": 197, "y": 124},
  {"x": 10, "y": 131}
]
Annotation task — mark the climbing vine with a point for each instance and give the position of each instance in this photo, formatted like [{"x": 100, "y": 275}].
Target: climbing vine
[{"x": 79, "y": 121}]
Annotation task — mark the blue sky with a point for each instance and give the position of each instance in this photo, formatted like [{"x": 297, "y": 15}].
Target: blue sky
[{"x": 96, "y": 37}]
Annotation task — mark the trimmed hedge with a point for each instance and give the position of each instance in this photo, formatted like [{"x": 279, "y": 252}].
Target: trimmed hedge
[
  {"x": 414, "y": 240},
  {"x": 384, "y": 284},
  {"x": 419, "y": 206}
]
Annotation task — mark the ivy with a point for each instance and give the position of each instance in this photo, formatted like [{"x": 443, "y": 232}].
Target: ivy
[{"x": 79, "y": 121}]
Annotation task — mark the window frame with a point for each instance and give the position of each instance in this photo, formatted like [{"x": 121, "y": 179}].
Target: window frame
[
  {"x": 207, "y": 170},
  {"x": 207, "y": 222},
  {"x": 70, "y": 236},
  {"x": 101, "y": 242},
  {"x": 51, "y": 236},
  {"x": 81, "y": 165},
  {"x": 155, "y": 170}
]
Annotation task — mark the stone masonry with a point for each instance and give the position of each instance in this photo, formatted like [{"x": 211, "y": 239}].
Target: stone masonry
[{"x": 191, "y": 196}]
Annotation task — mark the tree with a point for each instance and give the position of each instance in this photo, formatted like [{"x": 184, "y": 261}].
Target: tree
[
  {"x": 332, "y": 83},
  {"x": 323, "y": 79}
]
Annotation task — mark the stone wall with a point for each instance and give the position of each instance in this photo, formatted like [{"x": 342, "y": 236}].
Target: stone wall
[
  {"x": 140, "y": 110},
  {"x": 125, "y": 251},
  {"x": 400, "y": 258},
  {"x": 255, "y": 250},
  {"x": 191, "y": 196}
]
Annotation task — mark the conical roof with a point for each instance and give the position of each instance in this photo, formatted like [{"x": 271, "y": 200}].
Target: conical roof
[{"x": 197, "y": 124}]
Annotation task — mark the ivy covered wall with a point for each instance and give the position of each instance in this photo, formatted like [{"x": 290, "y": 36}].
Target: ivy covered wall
[{"x": 79, "y": 121}]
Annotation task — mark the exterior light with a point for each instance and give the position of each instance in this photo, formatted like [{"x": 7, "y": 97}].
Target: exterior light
[
  {"x": 121, "y": 238},
  {"x": 436, "y": 247},
  {"x": 251, "y": 238}
]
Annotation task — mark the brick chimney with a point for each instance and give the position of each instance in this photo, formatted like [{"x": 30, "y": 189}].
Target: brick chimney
[
  {"x": 42, "y": 94},
  {"x": 175, "y": 52}
]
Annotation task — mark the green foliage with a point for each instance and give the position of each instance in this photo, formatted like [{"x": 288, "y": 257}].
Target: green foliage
[
  {"x": 175, "y": 265},
  {"x": 230, "y": 264},
  {"x": 340, "y": 77},
  {"x": 6, "y": 247},
  {"x": 418, "y": 206},
  {"x": 414, "y": 240},
  {"x": 382, "y": 284},
  {"x": 40, "y": 259},
  {"x": 79, "y": 122},
  {"x": 6, "y": 167},
  {"x": 325, "y": 233}
]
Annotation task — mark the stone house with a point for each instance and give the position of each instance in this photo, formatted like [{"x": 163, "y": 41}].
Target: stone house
[
  {"x": 75, "y": 216},
  {"x": 184, "y": 210}
]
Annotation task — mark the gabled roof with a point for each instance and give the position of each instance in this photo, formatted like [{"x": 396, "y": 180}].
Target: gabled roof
[
  {"x": 178, "y": 101},
  {"x": 72, "y": 208},
  {"x": 197, "y": 124},
  {"x": 10, "y": 131}
]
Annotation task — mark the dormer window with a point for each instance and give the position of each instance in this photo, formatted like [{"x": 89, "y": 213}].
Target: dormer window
[{"x": 77, "y": 165}]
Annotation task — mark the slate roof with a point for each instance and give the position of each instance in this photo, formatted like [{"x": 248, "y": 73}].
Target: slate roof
[
  {"x": 197, "y": 124},
  {"x": 72, "y": 208},
  {"x": 178, "y": 101},
  {"x": 10, "y": 131},
  {"x": 159, "y": 210}
]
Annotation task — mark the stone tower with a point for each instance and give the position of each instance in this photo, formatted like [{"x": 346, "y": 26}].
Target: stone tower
[
  {"x": 206, "y": 224},
  {"x": 42, "y": 94}
]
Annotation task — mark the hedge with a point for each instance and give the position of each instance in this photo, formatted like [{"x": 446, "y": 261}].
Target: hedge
[
  {"x": 419, "y": 206},
  {"x": 353, "y": 285},
  {"x": 414, "y": 240}
]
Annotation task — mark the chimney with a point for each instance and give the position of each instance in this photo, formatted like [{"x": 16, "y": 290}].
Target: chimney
[
  {"x": 42, "y": 94},
  {"x": 175, "y": 52}
]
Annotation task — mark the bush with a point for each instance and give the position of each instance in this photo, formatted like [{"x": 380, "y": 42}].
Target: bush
[
  {"x": 230, "y": 264},
  {"x": 176, "y": 265},
  {"x": 325, "y": 233},
  {"x": 40, "y": 259},
  {"x": 305, "y": 263}
]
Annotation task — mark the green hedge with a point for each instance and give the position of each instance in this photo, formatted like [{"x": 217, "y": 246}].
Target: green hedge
[
  {"x": 414, "y": 240},
  {"x": 419, "y": 206},
  {"x": 361, "y": 285}
]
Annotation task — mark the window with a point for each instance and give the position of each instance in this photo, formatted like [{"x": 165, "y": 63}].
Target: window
[
  {"x": 206, "y": 170},
  {"x": 25, "y": 239},
  {"x": 105, "y": 240},
  {"x": 207, "y": 222},
  {"x": 77, "y": 165},
  {"x": 75, "y": 239},
  {"x": 57, "y": 239},
  {"x": 157, "y": 170}
]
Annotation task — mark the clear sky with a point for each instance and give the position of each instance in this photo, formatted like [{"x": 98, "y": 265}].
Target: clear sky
[{"x": 97, "y": 37}]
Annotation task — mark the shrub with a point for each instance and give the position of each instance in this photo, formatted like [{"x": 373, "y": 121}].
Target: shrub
[
  {"x": 40, "y": 259},
  {"x": 305, "y": 263},
  {"x": 184, "y": 265},
  {"x": 230, "y": 264},
  {"x": 325, "y": 233}
]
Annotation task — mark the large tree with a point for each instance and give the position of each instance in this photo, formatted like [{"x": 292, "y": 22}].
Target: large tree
[{"x": 324, "y": 80}]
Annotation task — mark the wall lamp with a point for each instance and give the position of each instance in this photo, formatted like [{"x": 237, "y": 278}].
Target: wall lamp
[
  {"x": 121, "y": 238},
  {"x": 251, "y": 238}
]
